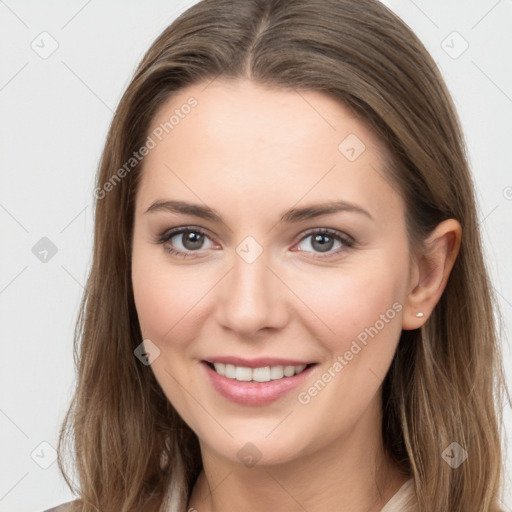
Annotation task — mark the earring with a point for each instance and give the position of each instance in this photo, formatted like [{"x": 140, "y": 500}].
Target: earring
[{"x": 420, "y": 315}]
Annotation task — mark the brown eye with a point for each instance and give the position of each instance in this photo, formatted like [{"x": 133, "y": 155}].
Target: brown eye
[
  {"x": 184, "y": 241},
  {"x": 324, "y": 241},
  {"x": 192, "y": 240}
]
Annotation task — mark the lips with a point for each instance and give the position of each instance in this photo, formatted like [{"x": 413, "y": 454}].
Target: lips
[{"x": 252, "y": 392}]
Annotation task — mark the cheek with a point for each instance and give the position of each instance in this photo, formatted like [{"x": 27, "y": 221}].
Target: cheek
[
  {"x": 162, "y": 301},
  {"x": 156, "y": 295},
  {"x": 364, "y": 311},
  {"x": 169, "y": 300},
  {"x": 353, "y": 302}
]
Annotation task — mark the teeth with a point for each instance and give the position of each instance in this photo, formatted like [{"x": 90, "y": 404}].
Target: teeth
[
  {"x": 261, "y": 374},
  {"x": 264, "y": 374},
  {"x": 244, "y": 374},
  {"x": 276, "y": 372}
]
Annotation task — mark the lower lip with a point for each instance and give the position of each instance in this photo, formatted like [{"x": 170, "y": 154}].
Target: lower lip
[{"x": 254, "y": 393}]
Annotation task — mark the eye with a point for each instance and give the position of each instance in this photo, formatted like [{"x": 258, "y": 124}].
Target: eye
[
  {"x": 184, "y": 241},
  {"x": 322, "y": 241}
]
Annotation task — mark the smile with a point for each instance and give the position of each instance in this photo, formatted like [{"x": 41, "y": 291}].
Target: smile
[
  {"x": 256, "y": 386},
  {"x": 262, "y": 374}
]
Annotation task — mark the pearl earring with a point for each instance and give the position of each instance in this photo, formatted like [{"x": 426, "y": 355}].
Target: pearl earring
[{"x": 420, "y": 315}]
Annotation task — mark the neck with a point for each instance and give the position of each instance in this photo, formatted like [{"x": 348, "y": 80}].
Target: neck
[{"x": 353, "y": 473}]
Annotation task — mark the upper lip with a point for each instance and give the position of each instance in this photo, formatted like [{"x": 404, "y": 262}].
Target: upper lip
[{"x": 258, "y": 362}]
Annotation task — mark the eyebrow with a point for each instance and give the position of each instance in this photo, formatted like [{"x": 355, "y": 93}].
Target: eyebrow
[{"x": 293, "y": 215}]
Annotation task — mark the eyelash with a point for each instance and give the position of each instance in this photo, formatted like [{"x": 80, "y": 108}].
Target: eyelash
[{"x": 347, "y": 241}]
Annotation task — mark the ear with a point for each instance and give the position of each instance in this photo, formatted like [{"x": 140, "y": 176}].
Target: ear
[{"x": 430, "y": 271}]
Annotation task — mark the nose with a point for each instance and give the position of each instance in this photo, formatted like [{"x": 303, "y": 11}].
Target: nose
[{"x": 252, "y": 298}]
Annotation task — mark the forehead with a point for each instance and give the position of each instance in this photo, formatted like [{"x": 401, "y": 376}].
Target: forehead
[
  {"x": 250, "y": 114},
  {"x": 247, "y": 142}
]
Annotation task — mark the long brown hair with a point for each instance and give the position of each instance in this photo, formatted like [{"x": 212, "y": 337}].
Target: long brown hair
[{"x": 446, "y": 380}]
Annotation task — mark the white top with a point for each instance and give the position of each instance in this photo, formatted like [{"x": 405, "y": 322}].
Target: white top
[{"x": 401, "y": 501}]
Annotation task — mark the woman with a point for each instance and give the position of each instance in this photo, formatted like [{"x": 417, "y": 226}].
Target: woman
[{"x": 288, "y": 306}]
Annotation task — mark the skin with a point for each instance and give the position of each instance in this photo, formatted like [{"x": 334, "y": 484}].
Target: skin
[{"x": 251, "y": 153}]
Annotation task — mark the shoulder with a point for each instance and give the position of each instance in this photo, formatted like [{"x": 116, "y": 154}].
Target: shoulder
[{"x": 70, "y": 506}]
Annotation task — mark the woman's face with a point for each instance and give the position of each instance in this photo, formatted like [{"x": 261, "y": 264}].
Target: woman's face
[{"x": 266, "y": 277}]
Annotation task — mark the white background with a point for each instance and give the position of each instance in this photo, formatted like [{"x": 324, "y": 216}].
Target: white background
[{"x": 55, "y": 113}]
